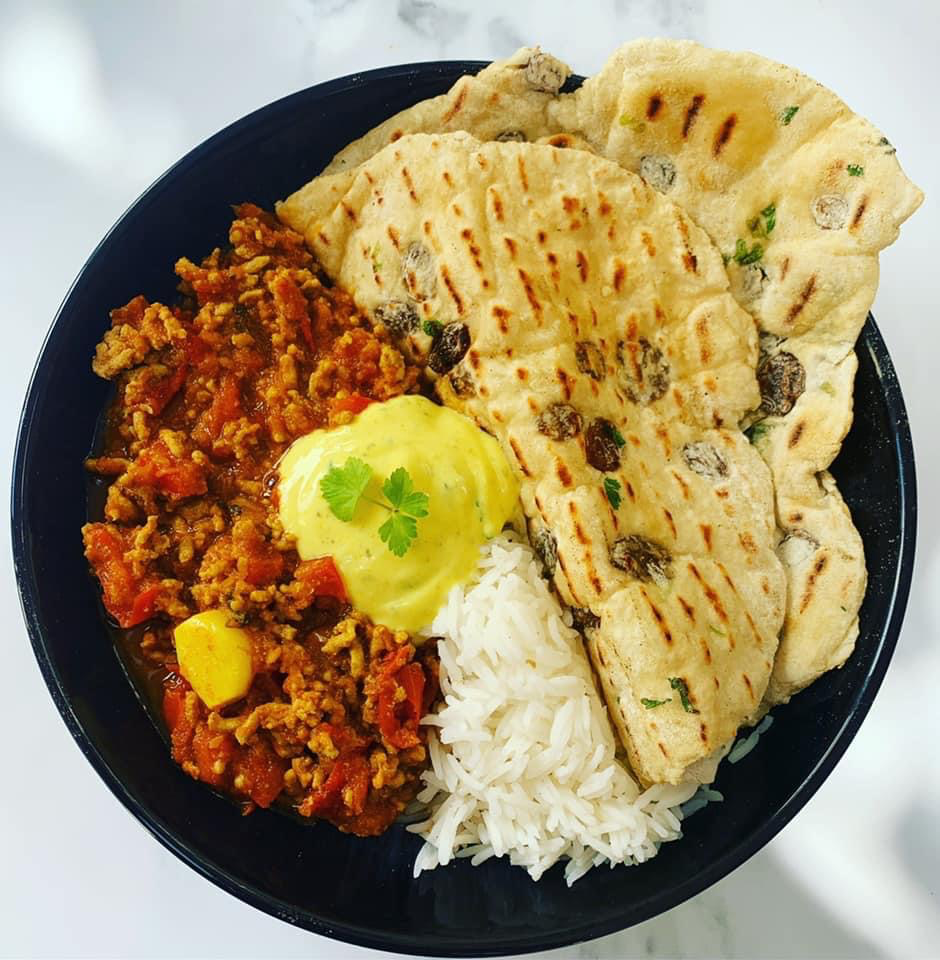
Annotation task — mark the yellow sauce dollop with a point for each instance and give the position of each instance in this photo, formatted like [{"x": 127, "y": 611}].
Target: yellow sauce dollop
[{"x": 471, "y": 488}]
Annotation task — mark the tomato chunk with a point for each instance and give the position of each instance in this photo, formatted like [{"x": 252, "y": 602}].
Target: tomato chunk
[
  {"x": 346, "y": 786},
  {"x": 292, "y": 305},
  {"x": 225, "y": 407},
  {"x": 411, "y": 680},
  {"x": 128, "y": 599},
  {"x": 264, "y": 568},
  {"x": 344, "y": 738},
  {"x": 400, "y": 702},
  {"x": 263, "y": 771},
  {"x": 354, "y": 403},
  {"x": 213, "y": 752},
  {"x": 358, "y": 777},
  {"x": 160, "y": 469},
  {"x": 320, "y": 578},
  {"x": 165, "y": 389},
  {"x": 195, "y": 349},
  {"x": 174, "y": 698}
]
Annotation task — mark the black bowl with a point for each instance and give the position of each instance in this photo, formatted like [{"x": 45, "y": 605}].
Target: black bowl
[{"x": 362, "y": 890}]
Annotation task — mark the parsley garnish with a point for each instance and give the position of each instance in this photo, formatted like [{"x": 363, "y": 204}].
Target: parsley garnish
[
  {"x": 855, "y": 170},
  {"x": 432, "y": 327},
  {"x": 343, "y": 487},
  {"x": 743, "y": 256},
  {"x": 612, "y": 489},
  {"x": 787, "y": 115},
  {"x": 682, "y": 688},
  {"x": 651, "y": 704},
  {"x": 827, "y": 387},
  {"x": 763, "y": 224},
  {"x": 408, "y": 505},
  {"x": 616, "y": 436},
  {"x": 376, "y": 259},
  {"x": 757, "y": 431}
]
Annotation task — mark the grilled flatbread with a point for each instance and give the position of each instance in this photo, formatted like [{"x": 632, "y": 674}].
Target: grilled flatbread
[
  {"x": 587, "y": 323},
  {"x": 800, "y": 194},
  {"x": 506, "y": 101}
]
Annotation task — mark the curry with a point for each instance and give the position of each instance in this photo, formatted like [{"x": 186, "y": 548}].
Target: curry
[{"x": 274, "y": 687}]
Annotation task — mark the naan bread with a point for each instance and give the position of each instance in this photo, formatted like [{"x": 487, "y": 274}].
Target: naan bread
[
  {"x": 505, "y": 101},
  {"x": 587, "y": 323},
  {"x": 800, "y": 194}
]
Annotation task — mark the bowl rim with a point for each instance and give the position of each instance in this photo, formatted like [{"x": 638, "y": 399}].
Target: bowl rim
[{"x": 652, "y": 906}]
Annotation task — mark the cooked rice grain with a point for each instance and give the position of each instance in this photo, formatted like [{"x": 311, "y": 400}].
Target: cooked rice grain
[{"x": 522, "y": 754}]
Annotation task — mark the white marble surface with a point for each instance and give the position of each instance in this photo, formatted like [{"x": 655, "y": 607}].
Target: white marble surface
[{"x": 96, "y": 99}]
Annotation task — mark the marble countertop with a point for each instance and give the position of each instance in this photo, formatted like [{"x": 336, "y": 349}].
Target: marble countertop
[{"x": 97, "y": 99}]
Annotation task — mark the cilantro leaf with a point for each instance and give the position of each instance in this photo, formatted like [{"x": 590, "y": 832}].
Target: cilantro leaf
[
  {"x": 787, "y": 115},
  {"x": 342, "y": 487},
  {"x": 757, "y": 431},
  {"x": 616, "y": 435},
  {"x": 408, "y": 505},
  {"x": 651, "y": 704},
  {"x": 397, "y": 532},
  {"x": 415, "y": 504},
  {"x": 769, "y": 213},
  {"x": 432, "y": 327},
  {"x": 855, "y": 170},
  {"x": 612, "y": 490},
  {"x": 401, "y": 494},
  {"x": 682, "y": 688},
  {"x": 743, "y": 256},
  {"x": 397, "y": 486}
]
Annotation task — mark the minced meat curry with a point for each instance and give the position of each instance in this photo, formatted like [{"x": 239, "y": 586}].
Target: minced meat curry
[{"x": 209, "y": 395}]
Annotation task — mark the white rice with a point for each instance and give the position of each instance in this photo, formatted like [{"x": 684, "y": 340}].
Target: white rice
[{"x": 522, "y": 753}]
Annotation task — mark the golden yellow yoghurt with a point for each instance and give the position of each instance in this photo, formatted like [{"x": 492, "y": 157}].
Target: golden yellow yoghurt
[{"x": 471, "y": 488}]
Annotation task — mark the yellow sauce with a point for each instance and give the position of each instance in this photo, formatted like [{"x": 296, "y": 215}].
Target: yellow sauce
[{"x": 471, "y": 489}]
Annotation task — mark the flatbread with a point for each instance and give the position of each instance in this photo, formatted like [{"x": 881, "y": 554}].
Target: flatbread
[
  {"x": 507, "y": 100},
  {"x": 588, "y": 324},
  {"x": 761, "y": 156}
]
